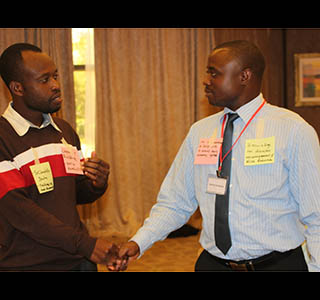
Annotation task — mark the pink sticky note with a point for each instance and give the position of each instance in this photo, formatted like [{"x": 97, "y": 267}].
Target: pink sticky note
[
  {"x": 208, "y": 152},
  {"x": 71, "y": 160}
]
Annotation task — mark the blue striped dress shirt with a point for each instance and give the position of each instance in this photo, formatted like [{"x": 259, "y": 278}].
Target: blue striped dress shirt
[{"x": 273, "y": 206}]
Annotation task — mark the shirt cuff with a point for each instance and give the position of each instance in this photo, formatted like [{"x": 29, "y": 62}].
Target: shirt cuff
[{"x": 143, "y": 242}]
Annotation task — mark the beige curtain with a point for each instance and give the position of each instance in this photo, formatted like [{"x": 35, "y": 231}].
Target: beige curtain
[
  {"x": 149, "y": 92},
  {"x": 57, "y": 43},
  {"x": 8, "y": 36}
]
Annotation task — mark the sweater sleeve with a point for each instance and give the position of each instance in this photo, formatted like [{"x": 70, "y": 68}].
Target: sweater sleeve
[
  {"x": 25, "y": 216},
  {"x": 86, "y": 193}
]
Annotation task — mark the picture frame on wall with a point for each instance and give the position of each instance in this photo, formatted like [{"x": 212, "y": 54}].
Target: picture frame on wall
[{"x": 307, "y": 79}]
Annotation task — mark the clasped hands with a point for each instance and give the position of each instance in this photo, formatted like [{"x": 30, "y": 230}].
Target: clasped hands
[{"x": 116, "y": 258}]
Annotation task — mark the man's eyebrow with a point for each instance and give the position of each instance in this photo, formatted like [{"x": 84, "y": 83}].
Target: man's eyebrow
[
  {"x": 47, "y": 74},
  {"x": 211, "y": 68},
  {"x": 43, "y": 75}
]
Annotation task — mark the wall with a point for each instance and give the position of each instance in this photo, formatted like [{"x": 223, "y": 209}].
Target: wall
[{"x": 300, "y": 41}]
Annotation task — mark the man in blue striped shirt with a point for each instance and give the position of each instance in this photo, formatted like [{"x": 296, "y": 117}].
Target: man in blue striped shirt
[{"x": 274, "y": 184}]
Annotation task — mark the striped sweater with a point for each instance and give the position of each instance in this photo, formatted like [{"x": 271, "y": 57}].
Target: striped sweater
[{"x": 41, "y": 231}]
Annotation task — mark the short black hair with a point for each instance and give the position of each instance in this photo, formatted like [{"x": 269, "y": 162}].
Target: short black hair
[
  {"x": 11, "y": 61},
  {"x": 249, "y": 55}
]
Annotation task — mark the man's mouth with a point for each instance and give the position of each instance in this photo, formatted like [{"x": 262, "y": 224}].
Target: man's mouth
[
  {"x": 56, "y": 98},
  {"x": 207, "y": 91}
]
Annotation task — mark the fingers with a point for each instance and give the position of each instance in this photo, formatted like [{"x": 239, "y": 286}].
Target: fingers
[
  {"x": 95, "y": 167},
  {"x": 111, "y": 259},
  {"x": 130, "y": 249},
  {"x": 114, "y": 257},
  {"x": 96, "y": 170},
  {"x": 127, "y": 253},
  {"x": 121, "y": 263},
  {"x": 118, "y": 265}
]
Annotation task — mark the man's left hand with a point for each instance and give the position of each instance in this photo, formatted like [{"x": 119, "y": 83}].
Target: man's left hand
[{"x": 96, "y": 170}]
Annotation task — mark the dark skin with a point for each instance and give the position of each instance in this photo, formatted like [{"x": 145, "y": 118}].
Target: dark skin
[
  {"x": 39, "y": 92},
  {"x": 228, "y": 84}
]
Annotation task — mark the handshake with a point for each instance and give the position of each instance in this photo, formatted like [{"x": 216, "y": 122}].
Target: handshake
[{"x": 116, "y": 258}]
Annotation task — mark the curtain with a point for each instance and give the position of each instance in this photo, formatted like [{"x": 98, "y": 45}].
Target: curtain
[
  {"x": 90, "y": 106},
  {"x": 149, "y": 92},
  {"x": 8, "y": 36},
  {"x": 57, "y": 43}
]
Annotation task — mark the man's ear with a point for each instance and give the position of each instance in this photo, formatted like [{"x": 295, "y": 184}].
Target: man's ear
[
  {"x": 16, "y": 88},
  {"x": 245, "y": 76}
]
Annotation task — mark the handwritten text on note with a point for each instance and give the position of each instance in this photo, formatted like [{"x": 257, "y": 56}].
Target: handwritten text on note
[{"x": 259, "y": 151}]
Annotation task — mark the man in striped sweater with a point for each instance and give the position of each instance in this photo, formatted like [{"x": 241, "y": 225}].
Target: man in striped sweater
[{"x": 41, "y": 176}]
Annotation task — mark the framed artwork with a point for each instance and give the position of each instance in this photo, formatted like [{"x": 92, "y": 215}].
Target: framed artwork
[{"x": 307, "y": 79}]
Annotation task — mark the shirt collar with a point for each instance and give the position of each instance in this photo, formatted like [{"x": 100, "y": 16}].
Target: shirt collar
[
  {"x": 246, "y": 111},
  {"x": 21, "y": 125}
]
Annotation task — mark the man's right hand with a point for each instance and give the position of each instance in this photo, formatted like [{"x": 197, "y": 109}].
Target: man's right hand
[
  {"x": 104, "y": 252},
  {"x": 127, "y": 253}
]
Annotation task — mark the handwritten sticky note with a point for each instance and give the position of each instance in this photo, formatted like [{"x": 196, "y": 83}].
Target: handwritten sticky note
[
  {"x": 43, "y": 177},
  {"x": 71, "y": 160},
  {"x": 259, "y": 151},
  {"x": 208, "y": 151}
]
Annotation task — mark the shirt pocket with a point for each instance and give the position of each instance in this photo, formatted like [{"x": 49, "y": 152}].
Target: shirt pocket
[{"x": 268, "y": 181}]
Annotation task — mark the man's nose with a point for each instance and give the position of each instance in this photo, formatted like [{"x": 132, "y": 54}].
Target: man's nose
[
  {"x": 55, "y": 85},
  {"x": 207, "y": 81}
]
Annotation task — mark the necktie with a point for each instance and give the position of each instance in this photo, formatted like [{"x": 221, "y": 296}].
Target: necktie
[{"x": 221, "y": 225}]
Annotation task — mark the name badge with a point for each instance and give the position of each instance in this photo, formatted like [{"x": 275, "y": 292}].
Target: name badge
[
  {"x": 42, "y": 176},
  {"x": 217, "y": 185}
]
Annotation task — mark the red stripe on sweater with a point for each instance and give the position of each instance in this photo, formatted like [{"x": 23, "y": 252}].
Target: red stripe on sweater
[
  {"x": 15, "y": 179},
  {"x": 10, "y": 180}
]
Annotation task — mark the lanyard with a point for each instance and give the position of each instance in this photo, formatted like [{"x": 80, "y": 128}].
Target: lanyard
[{"x": 244, "y": 128}]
